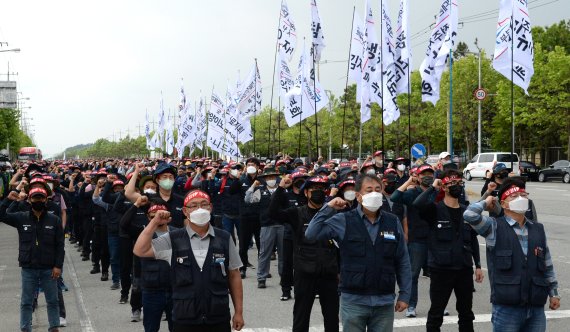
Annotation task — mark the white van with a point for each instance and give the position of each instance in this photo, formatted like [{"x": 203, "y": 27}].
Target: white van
[{"x": 482, "y": 163}]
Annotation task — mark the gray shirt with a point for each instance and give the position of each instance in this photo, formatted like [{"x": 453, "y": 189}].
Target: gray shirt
[{"x": 162, "y": 248}]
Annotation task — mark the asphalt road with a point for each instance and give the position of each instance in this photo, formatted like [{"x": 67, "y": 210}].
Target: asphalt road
[{"x": 92, "y": 306}]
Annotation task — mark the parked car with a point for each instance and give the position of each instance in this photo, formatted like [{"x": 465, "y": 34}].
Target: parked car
[
  {"x": 560, "y": 170},
  {"x": 484, "y": 162},
  {"x": 529, "y": 170},
  {"x": 433, "y": 159}
]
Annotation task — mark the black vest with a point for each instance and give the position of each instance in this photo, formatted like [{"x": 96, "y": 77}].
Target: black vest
[
  {"x": 200, "y": 295},
  {"x": 155, "y": 273},
  {"x": 449, "y": 242},
  {"x": 37, "y": 240},
  {"x": 367, "y": 268},
  {"x": 313, "y": 257},
  {"x": 518, "y": 279},
  {"x": 418, "y": 227}
]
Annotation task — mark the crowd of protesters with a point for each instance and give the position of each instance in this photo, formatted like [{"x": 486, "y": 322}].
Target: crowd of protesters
[{"x": 173, "y": 237}]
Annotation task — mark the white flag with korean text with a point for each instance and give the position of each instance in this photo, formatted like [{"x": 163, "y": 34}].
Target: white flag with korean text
[
  {"x": 287, "y": 34},
  {"x": 250, "y": 99},
  {"x": 370, "y": 67},
  {"x": 522, "y": 67},
  {"x": 441, "y": 43},
  {"x": 389, "y": 92},
  {"x": 357, "y": 47},
  {"x": 317, "y": 31},
  {"x": 218, "y": 138},
  {"x": 403, "y": 49}
]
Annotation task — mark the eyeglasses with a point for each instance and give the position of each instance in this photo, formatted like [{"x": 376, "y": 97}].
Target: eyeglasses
[
  {"x": 456, "y": 183},
  {"x": 203, "y": 205}
]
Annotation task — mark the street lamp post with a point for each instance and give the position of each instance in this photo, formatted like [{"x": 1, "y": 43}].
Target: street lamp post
[
  {"x": 329, "y": 94},
  {"x": 479, "y": 106}
]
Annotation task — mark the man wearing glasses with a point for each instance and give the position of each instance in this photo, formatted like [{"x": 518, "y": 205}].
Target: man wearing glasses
[
  {"x": 204, "y": 267},
  {"x": 521, "y": 272},
  {"x": 453, "y": 248}
]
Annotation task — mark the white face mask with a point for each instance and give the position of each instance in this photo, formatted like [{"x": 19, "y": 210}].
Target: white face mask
[
  {"x": 200, "y": 217},
  {"x": 371, "y": 171},
  {"x": 234, "y": 173},
  {"x": 251, "y": 170},
  {"x": 271, "y": 183},
  {"x": 149, "y": 191},
  {"x": 401, "y": 167},
  {"x": 519, "y": 205},
  {"x": 350, "y": 195},
  {"x": 372, "y": 201}
]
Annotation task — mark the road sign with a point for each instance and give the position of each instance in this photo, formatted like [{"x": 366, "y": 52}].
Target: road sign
[
  {"x": 418, "y": 151},
  {"x": 480, "y": 94}
]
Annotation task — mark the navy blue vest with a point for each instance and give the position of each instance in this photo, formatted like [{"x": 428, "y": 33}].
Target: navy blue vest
[
  {"x": 366, "y": 268},
  {"x": 449, "y": 242},
  {"x": 155, "y": 273},
  {"x": 200, "y": 295},
  {"x": 518, "y": 279}
]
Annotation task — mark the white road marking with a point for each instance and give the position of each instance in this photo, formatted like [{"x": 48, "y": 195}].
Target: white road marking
[
  {"x": 411, "y": 322},
  {"x": 2, "y": 269},
  {"x": 84, "y": 319}
]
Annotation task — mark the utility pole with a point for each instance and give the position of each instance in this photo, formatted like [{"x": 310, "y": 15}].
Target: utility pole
[{"x": 139, "y": 127}]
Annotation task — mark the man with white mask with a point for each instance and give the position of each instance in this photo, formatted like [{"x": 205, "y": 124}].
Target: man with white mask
[
  {"x": 204, "y": 267},
  {"x": 271, "y": 233},
  {"x": 248, "y": 212},
  {"x": 373, "y": 256},
  {"x": 520, "y": 266}
]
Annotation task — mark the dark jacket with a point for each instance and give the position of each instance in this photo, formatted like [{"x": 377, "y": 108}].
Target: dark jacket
[{"x": 41, "y": 239}]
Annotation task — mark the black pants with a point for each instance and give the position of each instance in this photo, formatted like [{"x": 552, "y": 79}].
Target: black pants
[
  {"x": 248, "y": 226},
  {"x": 136, "y": 289},
  {"x": 87, "y": 222},
  {"x": 101, "y": 248},
  {"x": 126, "y": 252},
  {"x": 287, "y": 275},
  {"x": 442, "y": 283},
  {"x": 224, "y": 327},
  {"x": 306, "y": 287}
]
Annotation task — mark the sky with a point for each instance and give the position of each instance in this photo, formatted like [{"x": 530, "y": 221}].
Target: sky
[{"x": 93, "y": 68}]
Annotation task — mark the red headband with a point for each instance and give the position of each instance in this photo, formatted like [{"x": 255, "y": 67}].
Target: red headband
[
  {"x": 155, "y": 208},
  {"x": 196, "y": 194},
  {"x": 448, "y": 179},
  {"x": 511, "y": 191}
]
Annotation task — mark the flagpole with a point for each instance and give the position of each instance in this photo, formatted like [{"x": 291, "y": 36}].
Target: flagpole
[
  {"x": 450, "y": 138},
  {"x": 512, "y": 86},
  {"x": 409, "y": 110},
  {"x": 381, "y": 73},
  {"x": 254, "y": 104},
  {"x": 346, "y": 85},
  {"x": 279, "y": 124},
  {"x": 315, "y": 96},
  {"x": 273, "y": 84},
  {"x": 301, "y": 102}
]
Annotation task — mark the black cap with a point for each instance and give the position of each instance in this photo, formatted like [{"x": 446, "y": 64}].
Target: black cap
[{"x": 164, "y": 168}]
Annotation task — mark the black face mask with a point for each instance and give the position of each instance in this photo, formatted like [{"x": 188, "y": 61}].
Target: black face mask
[
  {"x": 427, "y": 181},
  {"x": 455, "y": 191},
  {"x": 502, "y": 175},
  {"x": 318, "y": 197},
  {"x": 38, "y": 206},
  {"x": 390, "y": 188}
]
